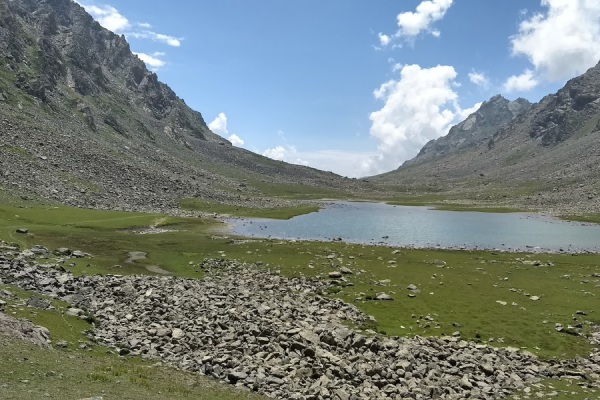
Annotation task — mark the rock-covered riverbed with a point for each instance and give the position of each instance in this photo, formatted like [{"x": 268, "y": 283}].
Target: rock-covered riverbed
[{"x": 278, "y": 336}]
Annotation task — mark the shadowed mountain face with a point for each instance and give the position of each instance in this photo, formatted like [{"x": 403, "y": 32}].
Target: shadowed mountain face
[
  {"x": 83, "y": 121},
  {"x": 541, "y": 156}
]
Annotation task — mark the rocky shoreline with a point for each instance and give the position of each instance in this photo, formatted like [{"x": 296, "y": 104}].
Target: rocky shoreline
[{"x": 256, "y": 329}]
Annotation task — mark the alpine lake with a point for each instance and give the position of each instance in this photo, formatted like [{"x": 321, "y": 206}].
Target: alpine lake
[{"x": 425, "y": 227}]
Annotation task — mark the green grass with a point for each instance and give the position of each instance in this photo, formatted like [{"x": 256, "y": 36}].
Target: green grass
[
  {"x": 443, "y": 202},
  {"x": 19, "y": 151},
  {"x": 28, "y": 372},
  {"x": 297, "y": 191},
  {"x": 589, "y": 218},
  {"x": 61, "y": 326},
  {"x": 559, "y": 389},
  {"x": 274, "y": 213},
  {"x": 462, "y": 295},
  {"x": 470, "y": 291},
  {"x": 110, "y": 236},
  {"x": 465, "y": 291}
]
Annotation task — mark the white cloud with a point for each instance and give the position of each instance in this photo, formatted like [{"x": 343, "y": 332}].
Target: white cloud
[
  {"x": 345, "y": 163},
  {"x": 464, "y": 113},
  {"x": 279, "y": 152},
  {"x": 153, "y": 62},
  {"x": 384, "y": 39},
  {"x": 561, "y": 43},
  {"x": 157, "y": 37},
  {"x": 521, "y": 83},
  {"x": 412, "y": 24},
  {"x": 419, "y": 106},
  {"x": 219, "y": 126},
  {"x": 479, "y": 79},
  {"x": 108, "y": 16},
  {"x": 236, "y": 140}
]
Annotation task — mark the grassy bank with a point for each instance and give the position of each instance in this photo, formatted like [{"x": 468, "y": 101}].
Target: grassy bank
[{"x": 222, "y": 209}]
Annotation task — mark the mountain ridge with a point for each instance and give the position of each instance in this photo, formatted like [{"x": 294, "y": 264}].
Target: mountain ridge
[
  {"x": 476, "y": 128},
  {"x": 85, "y": 123},
  {"x": 546, "y": 158}
]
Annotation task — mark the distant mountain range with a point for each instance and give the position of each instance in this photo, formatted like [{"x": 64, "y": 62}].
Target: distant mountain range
[
  {"x": 83, "y": 121},
  {"x": 545, "y": 155}
]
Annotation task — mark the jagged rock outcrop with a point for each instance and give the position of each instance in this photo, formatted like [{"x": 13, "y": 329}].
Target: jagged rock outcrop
[
  {"x": 480, "y": 126},
  {"x": 54, "y": 46}
]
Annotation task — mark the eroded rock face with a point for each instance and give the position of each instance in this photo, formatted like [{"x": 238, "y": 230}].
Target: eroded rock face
[{"x": 278, "y": 336}]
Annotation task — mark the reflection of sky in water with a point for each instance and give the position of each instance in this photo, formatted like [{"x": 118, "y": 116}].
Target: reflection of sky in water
[{"x": 420, "y": 226}]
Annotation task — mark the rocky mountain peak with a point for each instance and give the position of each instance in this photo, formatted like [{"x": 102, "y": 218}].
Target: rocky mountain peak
[
  {"x": 478, "y": 127},
  {"x": 573, "y": 110},
  {"x": 57, "y": 52}
]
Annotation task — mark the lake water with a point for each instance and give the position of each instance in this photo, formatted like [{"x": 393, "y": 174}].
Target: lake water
[{"x": 378, "y": 223}]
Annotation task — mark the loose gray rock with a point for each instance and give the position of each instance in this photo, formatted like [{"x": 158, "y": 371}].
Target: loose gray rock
[
  {"x": 383, "y": 296},
  {"x": 38, "y": 302}
]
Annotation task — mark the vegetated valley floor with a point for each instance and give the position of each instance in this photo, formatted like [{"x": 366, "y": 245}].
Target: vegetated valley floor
[{"x": 542, "y": 303}]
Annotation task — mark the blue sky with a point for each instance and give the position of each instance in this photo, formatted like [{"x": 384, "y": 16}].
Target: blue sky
[{"x": 353, "y": 87}]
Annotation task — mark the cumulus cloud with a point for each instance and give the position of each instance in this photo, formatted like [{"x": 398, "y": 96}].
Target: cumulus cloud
[
  {"x": 521, "y": 83},
  {"x": 108, "y": 16},
  {"x": 153, "y": 60},
  {"x": 219, "y": 126},
  {"x": 157, "y": 37},
  {"x": 479, "y": 79},
  {"x": 411, "y": 24},
  {"x": 418, "y": 106},
  {"x": 352, "y": 164},
  {"x": 236, "y": 140},
  {"x": 464, "y": 113},
  {"x": 279, "y": 152},
  {"x": 561, "y": 43}
]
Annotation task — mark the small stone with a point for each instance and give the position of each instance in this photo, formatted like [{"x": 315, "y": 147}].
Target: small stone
[
  {"x": 37, "y": 302},
  {"x": 62, "y": 251},
  {"x": 177, "y": 333},
  {"x": 335, "y": 275},
  {"x": 236, "y": 376},
  {"x": 383, "y": 296},
  {"x": 75, "y": 312},
  {"x": 22, "y": 230}
]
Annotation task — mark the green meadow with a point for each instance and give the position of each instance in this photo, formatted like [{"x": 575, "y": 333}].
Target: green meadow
[{"x": 504, "y": 299}]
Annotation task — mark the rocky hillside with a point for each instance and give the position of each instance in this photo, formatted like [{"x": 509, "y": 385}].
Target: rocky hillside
[
  {"x": 83, "y": 121},
  {"x": 546, "y": 158},
  {"x": 476, "y": 129}
]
